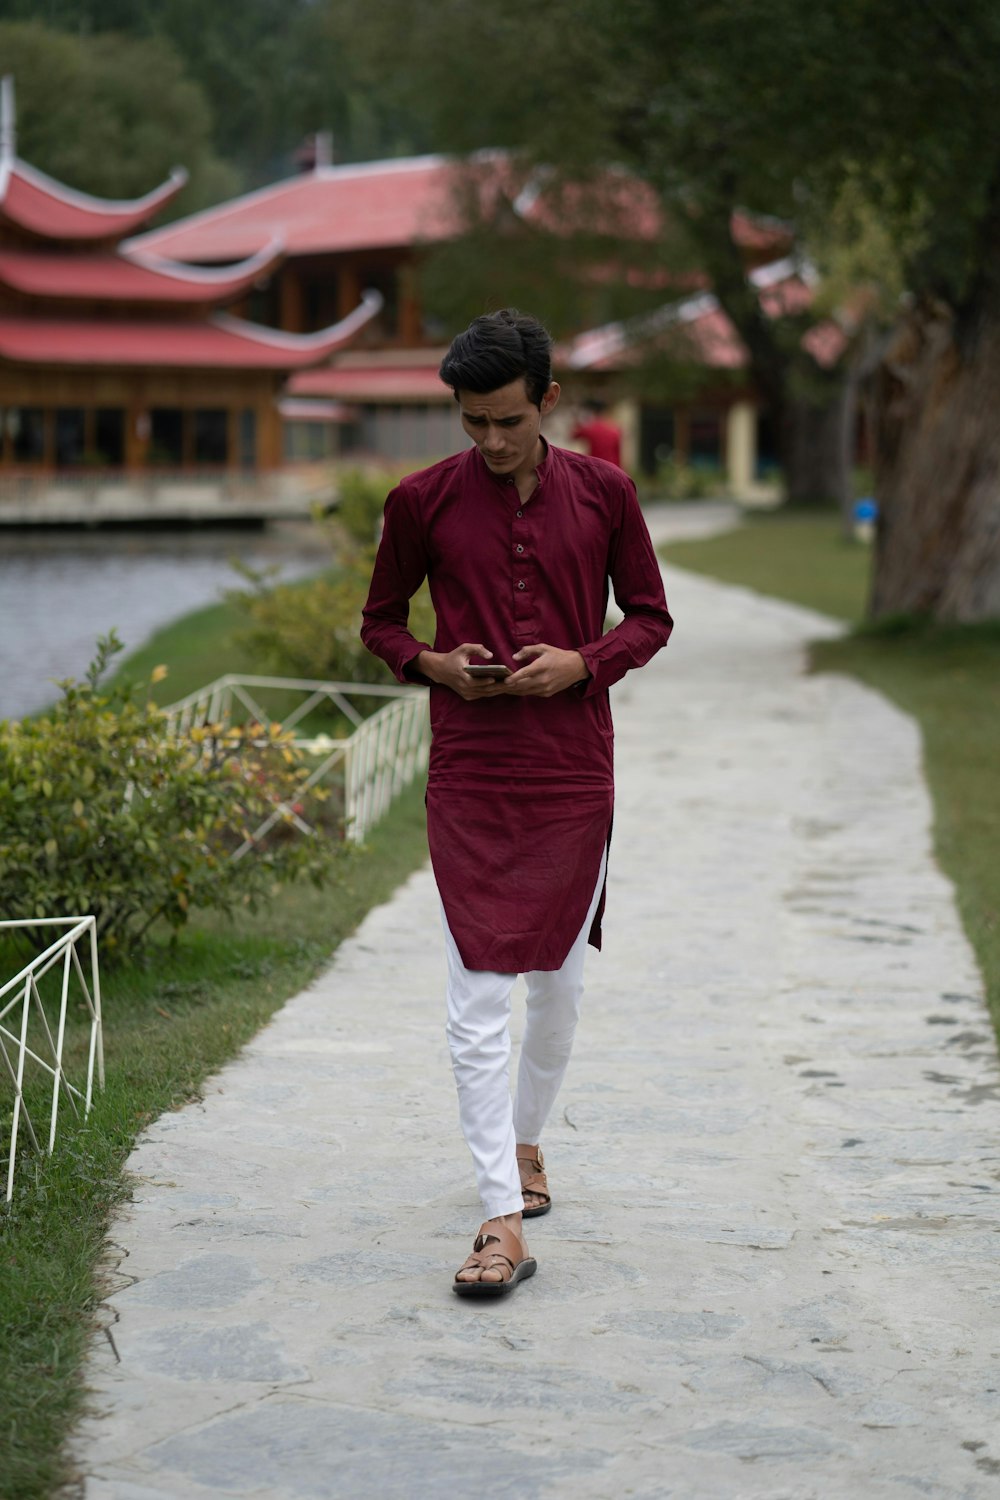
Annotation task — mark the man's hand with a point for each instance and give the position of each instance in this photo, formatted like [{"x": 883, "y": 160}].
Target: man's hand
[
  {"x": 548, "y": 670},
  {"x": 446, "y": 668}
]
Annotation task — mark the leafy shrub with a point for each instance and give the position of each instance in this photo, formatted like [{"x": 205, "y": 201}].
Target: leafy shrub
[
  {"x": 104, "y": 812},
  {"x": 311, "y": 629},
  {"x": 676, "y": 481},
  {"x": 360, "y": 502}
]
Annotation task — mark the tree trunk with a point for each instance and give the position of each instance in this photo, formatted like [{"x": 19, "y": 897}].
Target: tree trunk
[
  {"x": 817, "y": 447},
  {"x": 937, "y": 453}
]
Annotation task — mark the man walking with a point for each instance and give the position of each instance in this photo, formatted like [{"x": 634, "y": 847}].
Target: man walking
[{"x": 518, "y": 541}]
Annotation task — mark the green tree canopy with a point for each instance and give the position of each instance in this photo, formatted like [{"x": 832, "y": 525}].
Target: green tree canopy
[
  {"x": 110, "y": 114},
  {"x": 273, "y": 71}
]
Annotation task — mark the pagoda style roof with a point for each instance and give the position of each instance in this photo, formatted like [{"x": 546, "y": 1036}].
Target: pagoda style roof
[
  {"x": 41, "y": 206},
  {"x": 128, "y": 276},
  {"x": 784, "y": 289},
  {"x": 406, "y": 201},
  {"x": 365, "y": 206},
  {"x": 376, "y": 376},
  {"x": 219, "y": 342}
]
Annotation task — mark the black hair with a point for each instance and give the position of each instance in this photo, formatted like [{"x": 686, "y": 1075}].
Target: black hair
[{"x": 496, "y": 349}]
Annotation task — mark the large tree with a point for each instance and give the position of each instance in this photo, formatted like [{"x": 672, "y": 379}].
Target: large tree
[
  {"x": 702, "y": 105},
  {"x": 111, "y": 115},
  {"x": 782, "y": 107},
  {"x": 927, "y": 147},
  {"x": 272, "y": 71}
]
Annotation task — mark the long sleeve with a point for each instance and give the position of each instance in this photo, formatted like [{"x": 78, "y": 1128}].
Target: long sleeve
[
  {"x": 400, "y": 569},
  {"x": 638, "y": 585}
]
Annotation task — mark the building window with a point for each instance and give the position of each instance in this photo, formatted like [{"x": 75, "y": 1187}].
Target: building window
[
  {"x": 705, "y": 440},
  {"x": 166, "y": 436},
  {"x": 384, "y": 279},
  {"x": 211, "y": 436},
  {"x": 248, "y": 438},
  {"x": 263, "y": 304},
  {"x": 26, "y": 430},
  {"x": 657, "y": 438},
  {"x": 321, "y": 299},
  {"x": 109, "y": 437},
  {"x": 71, "y": 436},
  {"x": 768, "y": 463}
]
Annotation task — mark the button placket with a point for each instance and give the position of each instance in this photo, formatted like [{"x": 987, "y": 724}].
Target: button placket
[{"x": 522, "y": 576}]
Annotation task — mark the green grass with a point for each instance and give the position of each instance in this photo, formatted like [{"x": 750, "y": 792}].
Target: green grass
[
  {"x": 170, "y": 1020},
  {"x": 947, "y": 678},
  {"x": 196, "y": 650},
  {"x": 794, "y": 555}
]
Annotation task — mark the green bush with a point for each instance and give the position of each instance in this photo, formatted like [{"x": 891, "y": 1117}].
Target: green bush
[
  {"x": 676, "y": 481},
  {"x": 105, "y": 812},
  {"x": 360, "y": 502},
  {"x": 314, "y": 629}
]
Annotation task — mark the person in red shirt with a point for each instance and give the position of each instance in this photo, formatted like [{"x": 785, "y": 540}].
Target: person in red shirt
[
  {"x": 603, "y": 438},
  {"x": 517, "y": 540}
]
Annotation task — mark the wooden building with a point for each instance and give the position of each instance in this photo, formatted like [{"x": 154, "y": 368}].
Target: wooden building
[
  {"x": 347, "y": 228},
  {"x": 118, "y": 362}
]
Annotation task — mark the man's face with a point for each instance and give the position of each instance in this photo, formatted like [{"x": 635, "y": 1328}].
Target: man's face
[{"x": 504, "y": 425}]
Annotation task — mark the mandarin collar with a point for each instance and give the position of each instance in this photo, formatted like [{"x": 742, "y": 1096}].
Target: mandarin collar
[{"x": 541, "y": 468}]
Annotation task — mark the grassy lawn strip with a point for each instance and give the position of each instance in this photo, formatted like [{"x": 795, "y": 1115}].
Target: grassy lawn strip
[
  {"x": 947, "y": 678},
  {"x": 794, "y": 555},
  {"x": 197, "y": 649},
  {"x": 170, "y": 1020}
]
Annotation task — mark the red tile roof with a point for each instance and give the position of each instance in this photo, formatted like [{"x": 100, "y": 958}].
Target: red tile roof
[
  {"x": 373, "y": 205},
  {"x": 375, "y": 383},
  {"x": 697, "y": 327},
  {"x": 219, "y": 342},
  {"x": 398, "y": 203},
  {"x": 37, "y": 203},
  {"x": 119, "y": 277}
]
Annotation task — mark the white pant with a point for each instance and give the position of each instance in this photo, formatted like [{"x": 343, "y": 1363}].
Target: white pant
[{"x": 479, "y": 1038}]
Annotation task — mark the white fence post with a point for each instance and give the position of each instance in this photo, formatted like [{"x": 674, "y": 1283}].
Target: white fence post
[
  {"x": 375, "y": 762},
  {"x": 23, "y": 987}
]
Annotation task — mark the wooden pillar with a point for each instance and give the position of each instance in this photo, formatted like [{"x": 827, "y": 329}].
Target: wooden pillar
[
  {"x": 291, "y": 302},
  {"x": 49, "y": 437},
  {"x": 232, "y": 437},
  {"x": 682, "y": 435},
  {"x": 268, "y": 432},
  {"x": 137, "y": 434},
  {"x": 348, "y": 290},
  {"x": 410, "y": 321}
]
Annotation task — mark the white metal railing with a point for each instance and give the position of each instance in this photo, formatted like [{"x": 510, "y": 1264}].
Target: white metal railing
[
  {"x": 373, "y": 764},
  {"x": 382, "y": 757},
  {"x": 24, "y": 996}
]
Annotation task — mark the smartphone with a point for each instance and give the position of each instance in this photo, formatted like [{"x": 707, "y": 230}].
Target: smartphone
[{"x": 487, "y": 669}]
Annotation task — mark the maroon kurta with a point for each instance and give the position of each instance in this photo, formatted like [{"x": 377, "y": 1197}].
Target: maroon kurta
[{"x": 520, "y": 790}]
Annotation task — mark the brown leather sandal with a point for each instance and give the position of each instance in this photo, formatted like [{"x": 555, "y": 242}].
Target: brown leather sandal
[
  {"x": 531, "y": 1167},
  {"x": 497, "y": 1248}
]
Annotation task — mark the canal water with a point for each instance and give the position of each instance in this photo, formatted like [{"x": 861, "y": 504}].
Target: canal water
[{"x": 60, "y": 590}]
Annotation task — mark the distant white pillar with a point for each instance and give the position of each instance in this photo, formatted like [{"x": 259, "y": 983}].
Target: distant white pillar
[
  {"x": 8, "y": 118},
  {"x": 626, "y": 414},
  {"x": 741, "y": 448}
]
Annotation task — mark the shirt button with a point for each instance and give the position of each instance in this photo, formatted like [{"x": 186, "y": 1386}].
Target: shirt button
[
  {"x": 519, "y": 548},
  {"x": 520, "y": 583},
  {"x": 520, "y": 512}
]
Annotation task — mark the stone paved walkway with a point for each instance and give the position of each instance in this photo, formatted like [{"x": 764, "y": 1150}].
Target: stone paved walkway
[{"x": 771, "y": 1271}]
